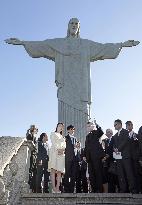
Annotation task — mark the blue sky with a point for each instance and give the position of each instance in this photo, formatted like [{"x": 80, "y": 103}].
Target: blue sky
[{"x": 27, "y": 89}]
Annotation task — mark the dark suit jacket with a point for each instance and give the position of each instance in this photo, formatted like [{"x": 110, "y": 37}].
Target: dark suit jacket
[
  {"x": 106, "y": 145},
  {"x": 69, "y": 151},
  {"x": 140, "y": 142},
  {"x": 42, "y": 152},
  {"x": 122, "y": 143},
  {"x": 134, "y": 146},
  {"x": 79, "y": 156},
  {"x": 83, "y": 163},
  {"x": 109, "y": 148},
  {"x": 82, "y": 153},
  {"x": 93, "y": 148}
]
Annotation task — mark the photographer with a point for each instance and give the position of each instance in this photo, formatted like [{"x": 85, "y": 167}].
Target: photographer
[
  {"x": 31, "y": 133},
  {"x": 31, "y": 137}
]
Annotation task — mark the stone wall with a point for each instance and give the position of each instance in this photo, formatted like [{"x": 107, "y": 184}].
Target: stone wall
[
  {"x": 8, "y": 147},
  {"x": 14, "y": 171}
]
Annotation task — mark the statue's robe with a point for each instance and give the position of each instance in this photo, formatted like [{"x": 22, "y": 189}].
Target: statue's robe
[{"x": 72, "y": 57}]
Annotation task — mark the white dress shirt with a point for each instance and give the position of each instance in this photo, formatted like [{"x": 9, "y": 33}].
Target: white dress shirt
[{"x": 119, "y": 131}]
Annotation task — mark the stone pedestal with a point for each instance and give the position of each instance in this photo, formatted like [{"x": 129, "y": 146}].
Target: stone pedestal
[{"x": 80, "y": 199}]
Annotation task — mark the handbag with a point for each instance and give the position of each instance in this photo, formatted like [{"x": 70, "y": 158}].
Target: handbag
[{"x": 113, "y": 168}]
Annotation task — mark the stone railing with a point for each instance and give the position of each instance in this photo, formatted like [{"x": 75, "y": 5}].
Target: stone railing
[{"x": 14, "y": 169}]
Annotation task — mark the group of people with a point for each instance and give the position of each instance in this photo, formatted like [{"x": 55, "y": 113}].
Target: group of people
[{"x": 113, "y": 164}]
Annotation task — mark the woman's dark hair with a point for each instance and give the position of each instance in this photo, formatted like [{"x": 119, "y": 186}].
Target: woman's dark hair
[
  {"x": 59, "y": 123},
  {"x": 42, "y": 136}
]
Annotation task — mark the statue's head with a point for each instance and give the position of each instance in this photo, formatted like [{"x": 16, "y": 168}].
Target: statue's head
[{"x": 73, "y": 28}]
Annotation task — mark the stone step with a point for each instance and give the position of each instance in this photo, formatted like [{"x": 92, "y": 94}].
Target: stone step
[{"x": 81, "y": 199}]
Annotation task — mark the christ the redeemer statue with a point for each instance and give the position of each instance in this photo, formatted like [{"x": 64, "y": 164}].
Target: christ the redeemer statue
[{"x": 72, "y": 56}]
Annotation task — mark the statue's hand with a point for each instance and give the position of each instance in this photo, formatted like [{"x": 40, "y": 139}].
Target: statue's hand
[
  {"x": 130, "y": 43},
  {"x": 14, "y": 41}
]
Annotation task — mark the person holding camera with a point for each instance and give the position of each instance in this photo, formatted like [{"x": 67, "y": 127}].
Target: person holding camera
[
  {"x": 31, "y": 137},
  {"x": 31, "y": 133}
]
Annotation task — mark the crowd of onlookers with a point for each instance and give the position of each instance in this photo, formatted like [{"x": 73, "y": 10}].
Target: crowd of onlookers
[{"x": 111, "y": 165}]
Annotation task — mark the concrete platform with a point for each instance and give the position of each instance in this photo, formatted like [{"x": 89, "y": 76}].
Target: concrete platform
[{"x": 80, "y": 199}]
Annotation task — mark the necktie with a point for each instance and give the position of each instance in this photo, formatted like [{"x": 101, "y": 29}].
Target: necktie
[
  {"x": 78, "y": 155},
  {"x": 109, "y": 141},
  {"x": 72, "y": 140}
]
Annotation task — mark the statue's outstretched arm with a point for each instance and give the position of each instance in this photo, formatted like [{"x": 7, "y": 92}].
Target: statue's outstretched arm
[
  {"x": 14, "y": 41},
  {"x": 35, "y": 49},
  {"x": 130, "y": 43}
]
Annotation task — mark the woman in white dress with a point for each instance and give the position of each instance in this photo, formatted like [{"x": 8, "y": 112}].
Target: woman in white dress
[{"x": 57, "y": 157}]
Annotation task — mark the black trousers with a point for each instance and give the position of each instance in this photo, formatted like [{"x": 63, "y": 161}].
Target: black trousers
[
  {"x": 32, "y": 178},
  {"x": 42, "y": 170},
  {"x": 78, "y": 179},
  {"x": 32, "y": 172},
  {"x": 69, "y": 177},
  {"x": 112, "y": 183},
  {"x": 125, "y": 175},
  {"x": 95, "y": 170},
  {"x": 136, "y": 168},
  {"x": 84, "y": 181},
  {"x": 81, "y": 182}
]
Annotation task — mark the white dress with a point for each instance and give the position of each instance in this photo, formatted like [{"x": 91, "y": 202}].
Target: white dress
[{"x": 56, "y": 161}]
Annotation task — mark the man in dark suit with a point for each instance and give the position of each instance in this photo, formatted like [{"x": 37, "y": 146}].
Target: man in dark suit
[
  {"x": 135, "y": 153},
  {"x": 78, "y": 160},
  {"x": 140, "y": 158},
  {"x": 84, "y": 181},
  {"x": 122, "y": 154},
  {"x": 70, "y": 161},
  {"x": 111, "y": 178},
  {"x": 81, "y": 168},
  {"x": 42, "y": 164},
  {"x": 94, "y": 155}
]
